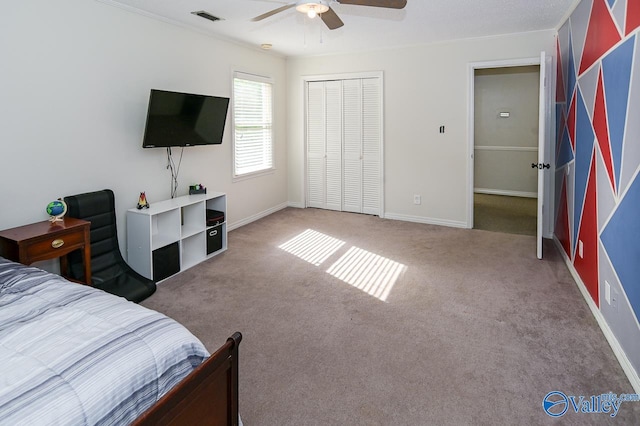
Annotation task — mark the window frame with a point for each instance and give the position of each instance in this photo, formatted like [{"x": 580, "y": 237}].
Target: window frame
[{"x": 260, "y": 79}]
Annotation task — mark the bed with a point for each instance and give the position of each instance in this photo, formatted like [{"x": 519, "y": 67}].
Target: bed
[{"x": 72, "y": 354}]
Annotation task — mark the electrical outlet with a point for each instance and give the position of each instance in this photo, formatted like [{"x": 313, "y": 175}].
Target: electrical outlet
[
  {"x": 417, "y": 199},
  {"x": 607, "y": 292},
  {"x": 614, "y": 299},
  {"x": 580, "y": 249}
]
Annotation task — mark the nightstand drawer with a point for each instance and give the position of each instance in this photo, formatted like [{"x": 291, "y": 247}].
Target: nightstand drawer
[{"x": 52, "y": 247}]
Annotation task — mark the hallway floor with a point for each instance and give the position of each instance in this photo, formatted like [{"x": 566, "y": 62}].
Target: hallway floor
[{"x": 500, "y": 213}]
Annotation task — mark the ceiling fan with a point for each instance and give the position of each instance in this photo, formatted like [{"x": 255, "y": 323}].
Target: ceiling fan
[{"x": 329, "y": 17}]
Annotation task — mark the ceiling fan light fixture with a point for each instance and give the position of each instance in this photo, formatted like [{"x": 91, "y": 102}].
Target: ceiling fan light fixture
[{"x": 312, "y": 9}]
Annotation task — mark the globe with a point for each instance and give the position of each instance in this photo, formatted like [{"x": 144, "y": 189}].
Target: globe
[{"x": 56, "y": 209}]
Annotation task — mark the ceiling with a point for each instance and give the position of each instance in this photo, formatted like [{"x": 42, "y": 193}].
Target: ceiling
[{"x": 366, "y": 28}]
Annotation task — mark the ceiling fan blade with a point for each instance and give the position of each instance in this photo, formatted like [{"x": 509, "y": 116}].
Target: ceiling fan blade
[
  {"x": 273, "y": 12},
  {"x": 390, "y": 4},
  {"x": 331, "y": 19}
]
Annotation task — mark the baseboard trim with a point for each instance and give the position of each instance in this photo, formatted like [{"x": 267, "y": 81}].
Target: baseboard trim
[
  {"x": 506, "y": 192},
  {"x": 620, "y": 354},
  {"x": 296, "y": 204},
  {"x": 426, "y": 220},
  {"x": 257, "y": 216}
]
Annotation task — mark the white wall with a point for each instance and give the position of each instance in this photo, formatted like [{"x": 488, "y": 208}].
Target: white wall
[
  {"x": 425, "y": 87},
  {"x": 74, "y": 83}
]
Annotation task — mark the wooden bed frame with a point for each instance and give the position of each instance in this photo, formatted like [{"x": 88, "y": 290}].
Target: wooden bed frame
[{"x": 207, "y": 396}]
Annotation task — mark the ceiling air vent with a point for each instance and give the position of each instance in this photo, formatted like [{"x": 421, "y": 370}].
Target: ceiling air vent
[{"x": 206, "y": 15}]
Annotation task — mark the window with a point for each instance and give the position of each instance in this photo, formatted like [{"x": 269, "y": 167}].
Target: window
[{"x": 252, "y": 120}]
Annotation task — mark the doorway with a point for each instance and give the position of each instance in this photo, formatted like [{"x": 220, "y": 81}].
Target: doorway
[
  {"x": 506, "y": 105},
  {"x": 544, "y": 226}
]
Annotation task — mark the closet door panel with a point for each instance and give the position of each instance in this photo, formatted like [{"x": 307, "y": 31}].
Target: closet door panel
[
  {"x": 352, "y": 164},
  {"x": 316, "y": 145},
  {"x": 333, "y": 128},
  {"x": 371, "y": 146}
]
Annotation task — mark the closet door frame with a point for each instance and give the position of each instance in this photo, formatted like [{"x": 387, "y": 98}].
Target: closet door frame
[{"x": 346, "y": 76}]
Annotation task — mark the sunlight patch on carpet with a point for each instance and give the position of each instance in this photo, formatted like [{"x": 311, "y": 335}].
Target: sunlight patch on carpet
[
  {"x": 312, "y": 246},
  {"x": 374, "y": 274}
]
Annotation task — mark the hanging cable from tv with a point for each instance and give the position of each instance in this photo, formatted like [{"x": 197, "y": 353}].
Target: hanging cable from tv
[{"x": 171, "y": 166}]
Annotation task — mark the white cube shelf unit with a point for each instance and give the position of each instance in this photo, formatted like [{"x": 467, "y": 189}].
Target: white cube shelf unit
[{"x": 181, "y": 222}]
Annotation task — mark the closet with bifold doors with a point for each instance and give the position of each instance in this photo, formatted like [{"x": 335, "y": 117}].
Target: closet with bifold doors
[{"x": 344, "y": 144}]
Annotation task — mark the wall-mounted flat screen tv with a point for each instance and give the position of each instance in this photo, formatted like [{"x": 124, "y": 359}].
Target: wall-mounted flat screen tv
[{"x": 184, "y": 119}]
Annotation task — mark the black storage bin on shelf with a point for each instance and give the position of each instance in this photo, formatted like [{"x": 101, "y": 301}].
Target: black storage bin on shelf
[
  {"x": 214, "y": 217},
  {"x": 166, "y": 261},
  {"x": 214, "y": 239}
]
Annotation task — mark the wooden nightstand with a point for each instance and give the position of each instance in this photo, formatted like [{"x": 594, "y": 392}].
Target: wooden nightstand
[{"x": 45, "y": 240}]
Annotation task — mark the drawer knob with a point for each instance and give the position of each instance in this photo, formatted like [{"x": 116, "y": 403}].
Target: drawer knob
[{"x": 57, "y": 243}]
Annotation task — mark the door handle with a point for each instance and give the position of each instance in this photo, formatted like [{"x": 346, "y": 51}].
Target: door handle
[{"x": 540, "y": 166}]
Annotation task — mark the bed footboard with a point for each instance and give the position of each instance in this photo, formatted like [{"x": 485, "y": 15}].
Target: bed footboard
[{"x": 207, "y": 396}]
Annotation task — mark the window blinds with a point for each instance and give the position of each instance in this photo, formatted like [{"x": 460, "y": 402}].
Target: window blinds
[{"x": 253, "y": 124}]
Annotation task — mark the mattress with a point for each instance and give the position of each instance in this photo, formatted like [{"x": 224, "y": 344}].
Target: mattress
[{"x": 72, "y": 354}]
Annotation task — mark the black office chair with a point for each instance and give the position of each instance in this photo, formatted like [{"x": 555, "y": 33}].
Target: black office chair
[{"x": 109, "y": 271}]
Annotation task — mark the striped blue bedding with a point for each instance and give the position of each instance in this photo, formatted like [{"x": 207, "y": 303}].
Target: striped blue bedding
[{"x": 74, "y": 355}]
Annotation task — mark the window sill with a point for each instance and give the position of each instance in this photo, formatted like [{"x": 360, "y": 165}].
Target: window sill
[{"x": 253, "y": 175}]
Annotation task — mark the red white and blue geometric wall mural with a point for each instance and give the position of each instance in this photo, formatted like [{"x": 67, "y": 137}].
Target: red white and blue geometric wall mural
[{"x": 598, "y": 159}]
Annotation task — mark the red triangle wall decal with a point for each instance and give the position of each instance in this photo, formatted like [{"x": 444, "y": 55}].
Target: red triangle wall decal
[
  {"x": 602, "y": 34},
  {"x": 562, "y": 221},
  {"x": 602, "y": 130},
  {"x": 633, "y": 16},
  {"x": 587, "y": 265}
]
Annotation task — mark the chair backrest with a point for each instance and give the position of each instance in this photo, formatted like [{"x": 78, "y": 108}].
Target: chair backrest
[{"x": 98, "y": 208}]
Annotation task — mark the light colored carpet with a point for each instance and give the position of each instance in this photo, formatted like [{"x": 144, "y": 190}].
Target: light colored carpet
[
  {"x": 474, "y": 330},
  {"x": 499, "y": 213}
]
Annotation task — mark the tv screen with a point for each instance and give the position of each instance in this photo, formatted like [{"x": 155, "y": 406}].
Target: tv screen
[{"x": 184, "y": 119}]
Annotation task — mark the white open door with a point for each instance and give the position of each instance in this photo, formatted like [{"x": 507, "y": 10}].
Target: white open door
[{"x": 542, "y": 141}]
